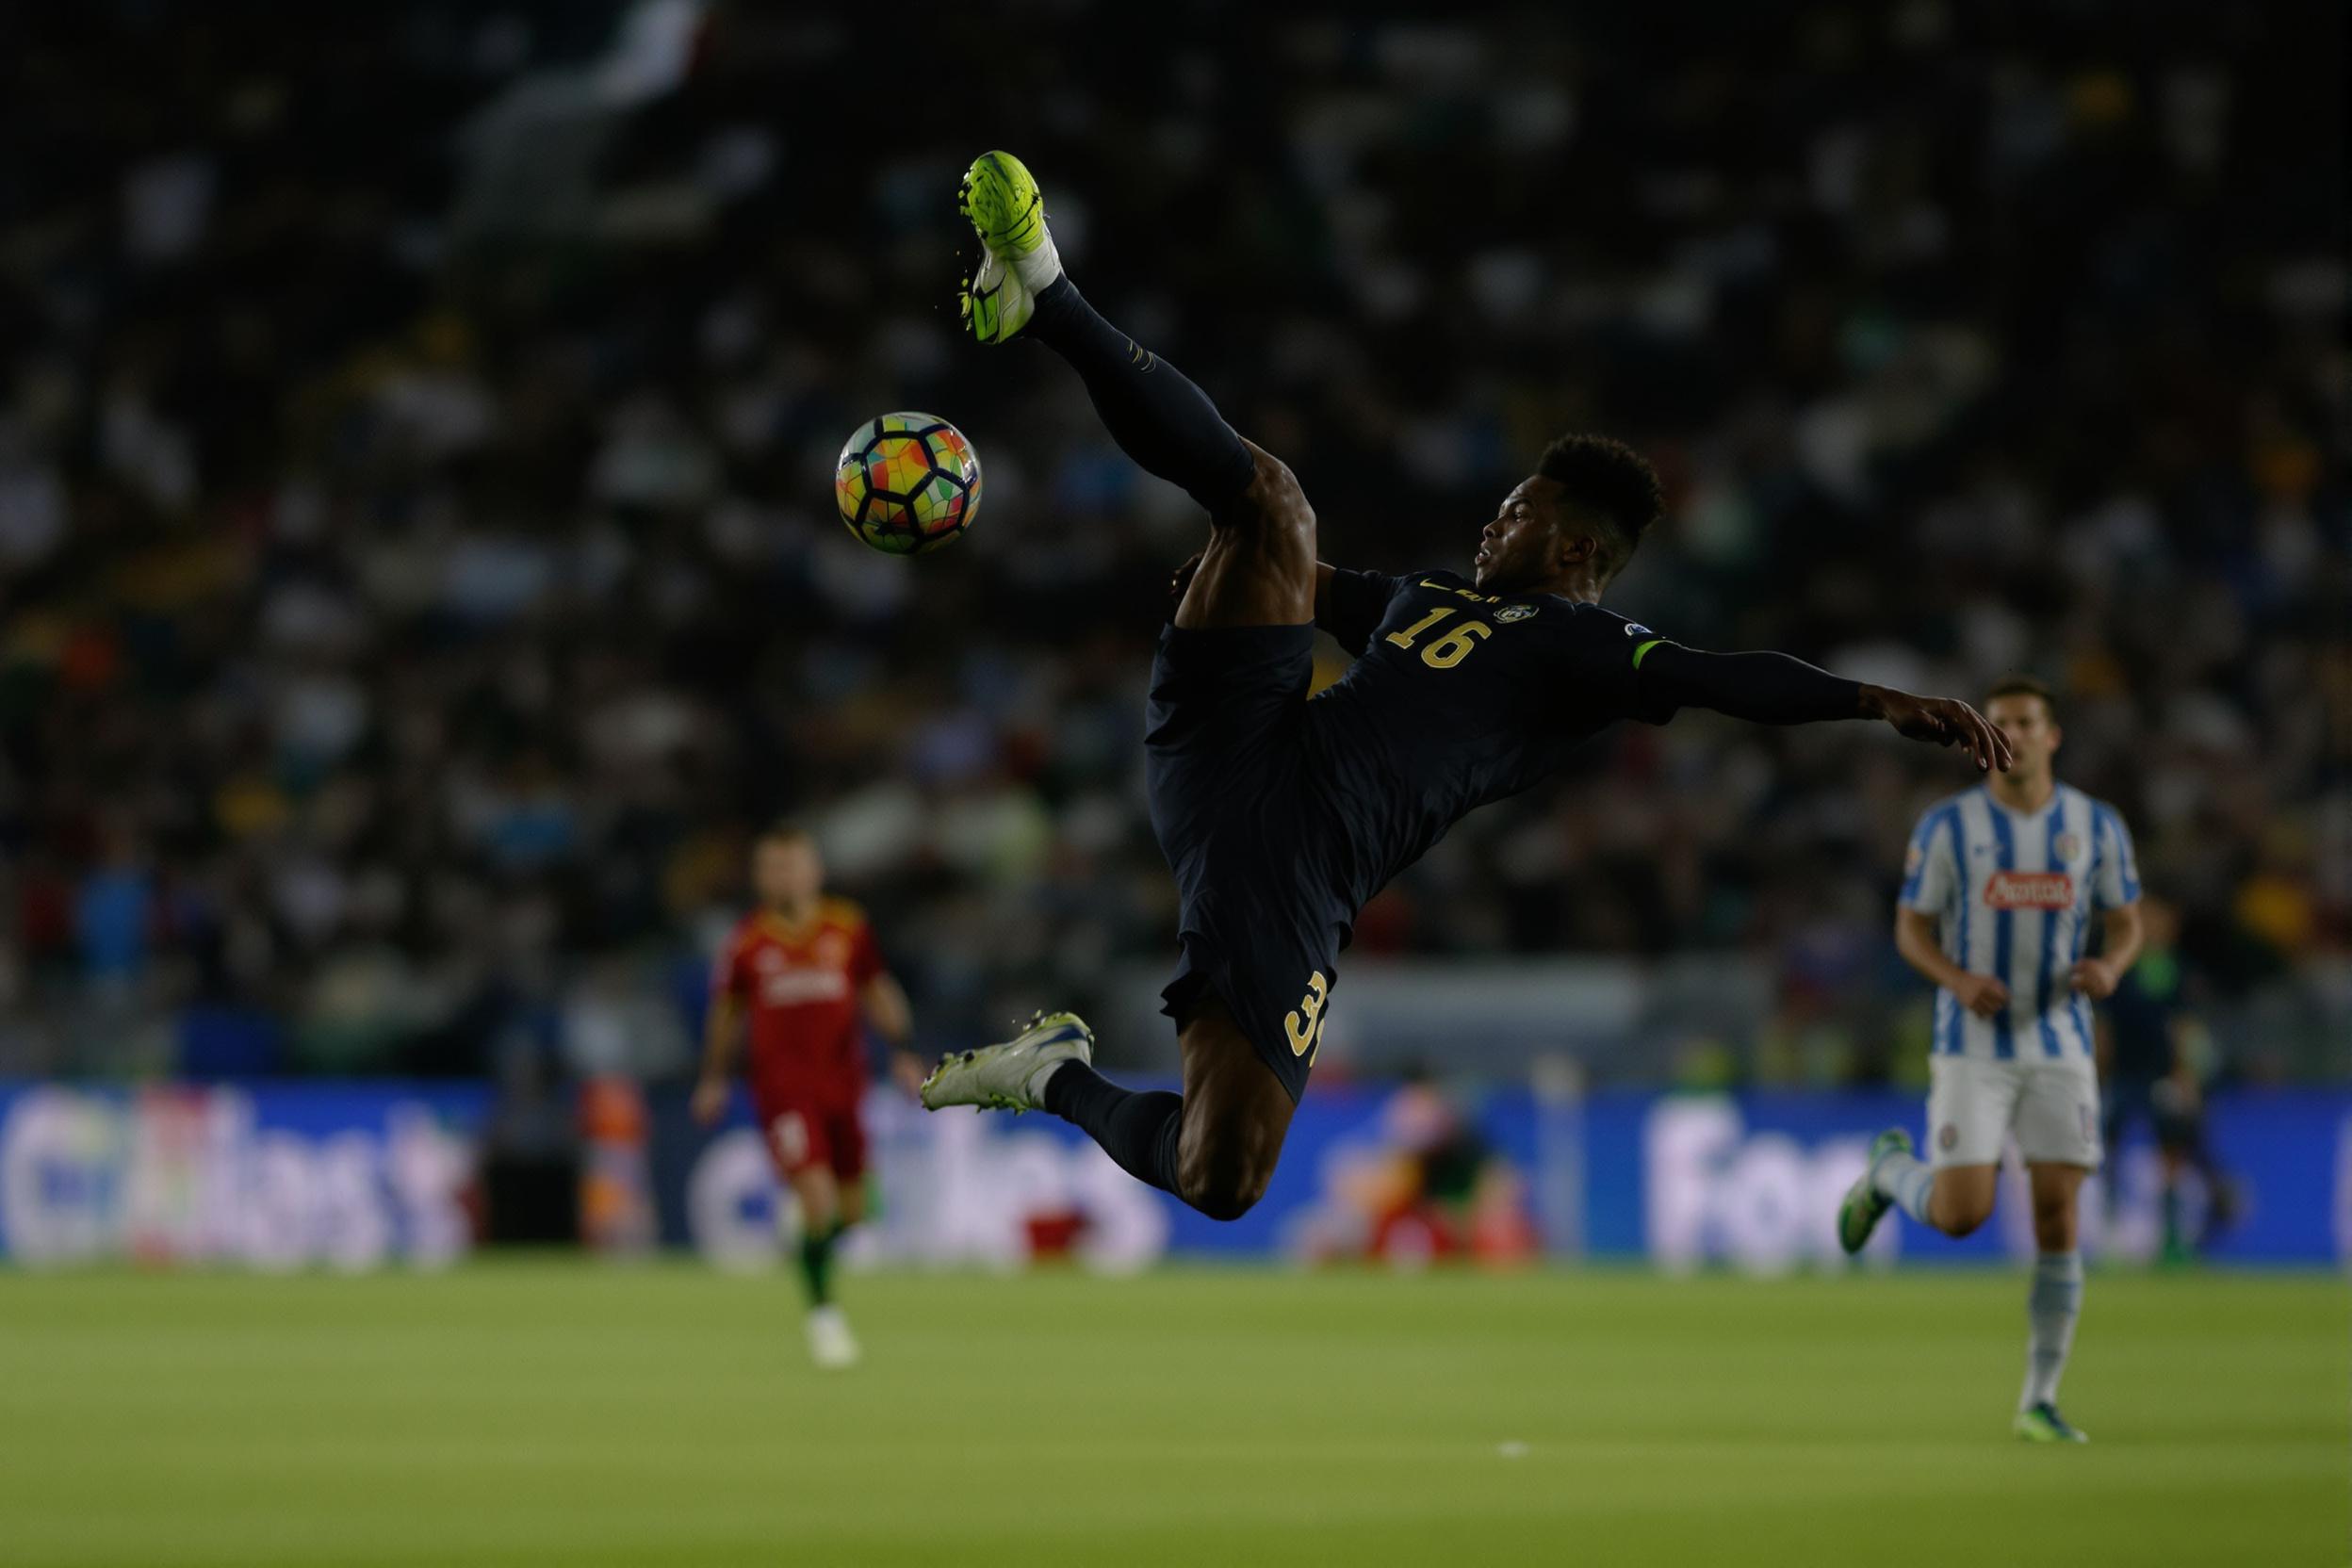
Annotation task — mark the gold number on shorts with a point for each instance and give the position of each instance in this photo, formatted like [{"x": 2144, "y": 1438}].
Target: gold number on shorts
[{"x": 1311, "y": 1009}]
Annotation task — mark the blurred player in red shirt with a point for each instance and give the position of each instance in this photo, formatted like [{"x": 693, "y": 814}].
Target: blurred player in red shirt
[{"x": 805, "y": 967}]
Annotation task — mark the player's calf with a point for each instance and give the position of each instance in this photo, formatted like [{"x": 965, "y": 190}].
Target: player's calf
[{"x": 1962, "y": 1199}]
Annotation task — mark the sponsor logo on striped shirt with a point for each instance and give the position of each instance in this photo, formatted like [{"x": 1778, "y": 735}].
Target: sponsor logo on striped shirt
[{"x": 2029, "y": 890}]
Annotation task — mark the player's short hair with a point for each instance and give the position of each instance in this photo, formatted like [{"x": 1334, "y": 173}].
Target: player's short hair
[
  {"x": 2025, "y": 686},
  {"x": 784, "y": 830},
  {"x": 1613, "y": 484}
]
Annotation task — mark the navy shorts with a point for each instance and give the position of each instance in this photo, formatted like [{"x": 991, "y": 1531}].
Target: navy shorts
[{"x": 1252, "y": 840}]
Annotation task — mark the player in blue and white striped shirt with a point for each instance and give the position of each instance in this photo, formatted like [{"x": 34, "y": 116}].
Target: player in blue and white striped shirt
[{"x": 1997, "y": 897}]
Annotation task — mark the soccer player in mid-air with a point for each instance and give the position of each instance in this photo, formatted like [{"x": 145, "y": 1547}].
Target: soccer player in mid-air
[
  {"x": 1280, "y": 816},
  {"x": 1998, "y": 892},
  {"x": 804, "y": 967}
]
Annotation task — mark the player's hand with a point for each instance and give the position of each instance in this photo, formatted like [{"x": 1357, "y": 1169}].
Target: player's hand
[
  {"x": 710, "y": 1101},
  {"x": 1946, "y": 721},
  {"x": 907, "y": 1071},
  {"x": 2096, "y": 978},
  {"x": 1982, "y": 995},
  {"x": 1180, "y": 578}
]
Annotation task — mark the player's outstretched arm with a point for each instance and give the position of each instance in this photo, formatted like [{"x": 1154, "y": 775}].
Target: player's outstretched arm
[
  {"x": 1773, "y": 687},
  {"x": 1946, "y": 721}
]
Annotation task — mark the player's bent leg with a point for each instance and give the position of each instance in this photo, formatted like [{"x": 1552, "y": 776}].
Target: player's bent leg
[
  {"x": 1259, "y": 566},
  {"x": 1962, "y": 1197},
  {"x": 1893, "y": 1178},
  {"x": 1236, "y": 1115}
]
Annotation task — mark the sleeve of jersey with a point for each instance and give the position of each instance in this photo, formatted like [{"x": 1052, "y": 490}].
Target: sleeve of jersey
[
  {"x": 1929, "y": 868},
  {"x": 2117, "y": 881},
  {"x": 1358, "y": 602},
  {"x": 1762, "y": 688}
]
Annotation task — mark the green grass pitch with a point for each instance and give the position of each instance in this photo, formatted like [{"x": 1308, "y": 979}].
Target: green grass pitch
[{"x": 562, "y": 1414}]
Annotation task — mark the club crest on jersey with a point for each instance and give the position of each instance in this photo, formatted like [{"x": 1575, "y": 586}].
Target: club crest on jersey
[
  {"x": 1511, "y": 613},
  {"x": 1635, "y": 629},
  {"x": 832, "y": 949},
  {"x": 767, "y": 960},
  {"x": 2066, "y": 846},
  {"x": 2030, "y": 890}
]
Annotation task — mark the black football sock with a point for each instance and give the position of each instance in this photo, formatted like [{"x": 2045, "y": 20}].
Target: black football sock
[
  {"x": 816, "y": 1264},
  {"x": 1137, "y": 1128},
  {"x": 1157, "y": 416}
]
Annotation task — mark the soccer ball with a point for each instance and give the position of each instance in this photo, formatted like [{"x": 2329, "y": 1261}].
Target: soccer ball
[{"x": 907, "y": 483}]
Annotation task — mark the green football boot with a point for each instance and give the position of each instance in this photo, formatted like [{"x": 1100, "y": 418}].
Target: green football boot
[
  {"x": 2043, "y": 1424},
  {"x": 1865, "y": 1205},
  {"x": 1010, "y": 1077},
  {"x": 1001, "y": 200}
]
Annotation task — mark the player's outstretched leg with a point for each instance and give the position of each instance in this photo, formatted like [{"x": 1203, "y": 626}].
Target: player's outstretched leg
[
  {"x": 1214, "y": 1146},
  {"x": 1158, "y": 418},
  {"x": 1049, "y": 1066}
]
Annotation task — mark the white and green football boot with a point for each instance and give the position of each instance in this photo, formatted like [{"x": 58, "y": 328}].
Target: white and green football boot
[
  {"x": 1001, "y": 199},
  {"x": 2043, "y": 1424},
  {"x": 1010, "y": 1077},
  {"x": 1865, "y": 1205}
]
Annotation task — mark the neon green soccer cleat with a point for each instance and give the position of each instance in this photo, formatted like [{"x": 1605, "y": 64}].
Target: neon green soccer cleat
[
  {"x": 1001, "y": 199},
  {"x": 2043, "y": 1424},
  {"x": 1010, "y": 1077},
  {"x": 1865, "y": 1205}
]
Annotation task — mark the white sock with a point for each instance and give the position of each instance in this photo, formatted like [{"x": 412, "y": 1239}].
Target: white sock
[
  {"x": 2050, "y": 1308},
  {"x": 1908, "y": 1179}
]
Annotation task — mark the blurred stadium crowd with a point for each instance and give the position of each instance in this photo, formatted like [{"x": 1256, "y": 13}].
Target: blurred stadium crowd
[{"x": 419, "y": 575}]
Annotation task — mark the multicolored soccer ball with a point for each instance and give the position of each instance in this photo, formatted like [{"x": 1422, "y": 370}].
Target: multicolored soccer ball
[{"x": 907, "y": 483}]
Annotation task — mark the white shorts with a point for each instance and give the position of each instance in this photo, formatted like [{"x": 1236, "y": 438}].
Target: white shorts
[{"x": 1973, "y": 1105}]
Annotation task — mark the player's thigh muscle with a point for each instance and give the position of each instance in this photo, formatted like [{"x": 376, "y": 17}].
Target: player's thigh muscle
[{"x": 1259, "y": 567}]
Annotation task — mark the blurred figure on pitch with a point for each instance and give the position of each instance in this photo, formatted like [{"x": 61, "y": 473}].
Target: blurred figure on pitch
[
  {"x": 2001, "y": 889},
  {"x": 2149, "y": 1056},
  {"x": 803, "y": 969},
  {"x": 1432, "y": 1187}
]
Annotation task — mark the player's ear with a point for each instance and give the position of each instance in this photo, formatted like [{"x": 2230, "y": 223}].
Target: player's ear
[{"x": 1576, "y": 548}]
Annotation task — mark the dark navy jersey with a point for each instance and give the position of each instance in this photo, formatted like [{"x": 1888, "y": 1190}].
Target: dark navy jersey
[{"x": 1457, "y": 698}]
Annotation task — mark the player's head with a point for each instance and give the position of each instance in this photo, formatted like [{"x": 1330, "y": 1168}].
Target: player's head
[
  {"x": 786, "y": 871},
  {"x": 2022, "y": 708},
  {"x": 1576, "y": 519}
]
